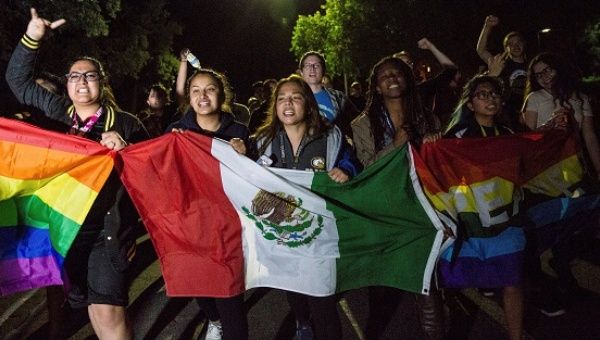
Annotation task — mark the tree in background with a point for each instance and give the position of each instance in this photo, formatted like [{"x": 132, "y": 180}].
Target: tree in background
[
  {"x": 133, "y": 38},
  {"x": 333, "y": 33},
  {"x": 354, "y": 34},
  {"x": 591, "y": 39}
]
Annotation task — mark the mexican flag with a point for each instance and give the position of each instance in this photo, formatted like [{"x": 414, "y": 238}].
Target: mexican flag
[{"x": 222, "y": 224}]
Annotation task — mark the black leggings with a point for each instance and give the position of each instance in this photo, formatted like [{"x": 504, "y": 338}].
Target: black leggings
[
  {"x": 231, "y": 313},
  {"x": 324, "y": 314}
]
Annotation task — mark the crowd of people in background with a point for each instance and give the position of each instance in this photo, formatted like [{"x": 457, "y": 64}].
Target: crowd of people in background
[{"x": 304, "y": 116}]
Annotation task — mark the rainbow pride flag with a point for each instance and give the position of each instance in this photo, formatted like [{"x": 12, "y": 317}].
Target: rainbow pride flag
[
  {"x": 475, "y": 185},
  {"x": 48, "y": 183},
  {"x": 560, "y": 200}
]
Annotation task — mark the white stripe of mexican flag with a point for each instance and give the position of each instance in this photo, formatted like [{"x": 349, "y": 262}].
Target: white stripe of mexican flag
[{"x": 275, "y": 257}]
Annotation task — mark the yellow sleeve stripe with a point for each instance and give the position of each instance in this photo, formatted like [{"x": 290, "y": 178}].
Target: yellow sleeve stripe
[
  {"x": 30, "y": 42},
  {"x": 110, "y": 119}
]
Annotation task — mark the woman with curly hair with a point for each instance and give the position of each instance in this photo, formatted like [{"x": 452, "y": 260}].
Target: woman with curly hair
[{"x": 392, "y": 117}]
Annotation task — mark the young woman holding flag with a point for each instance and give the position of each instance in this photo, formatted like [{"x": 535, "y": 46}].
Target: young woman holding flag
[
  {"x": 209, "y": 98},
  {"x": 98, "y": 260},
  {"x": 295, "y": 136}
]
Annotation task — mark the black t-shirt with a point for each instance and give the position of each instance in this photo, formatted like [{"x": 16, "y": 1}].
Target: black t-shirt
[{"x": 514, "y": 76}]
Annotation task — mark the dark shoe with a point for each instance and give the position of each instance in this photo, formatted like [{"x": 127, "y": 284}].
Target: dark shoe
[
  {"x": 566, "y": 280},
  {"x": 431, "y": 314}
]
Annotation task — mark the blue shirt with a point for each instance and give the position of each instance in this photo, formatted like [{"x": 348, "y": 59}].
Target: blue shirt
[{"x": 325, "y": 105}]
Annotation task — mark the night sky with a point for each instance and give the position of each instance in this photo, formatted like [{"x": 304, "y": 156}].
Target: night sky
[{"x": 248, "y": 40}]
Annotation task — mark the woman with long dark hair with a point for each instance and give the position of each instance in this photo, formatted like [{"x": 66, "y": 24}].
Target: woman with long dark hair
[
  {"x": 393, "y": 114},
  {"x": 296, "y": 136},
  {"x": 392, "y": 117},
  {"x": 553, "y": 99},
  {"x": 476, "y": 117}
]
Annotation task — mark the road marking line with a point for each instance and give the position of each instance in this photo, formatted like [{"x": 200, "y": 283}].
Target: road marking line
[{"x": 348, "y": 312}]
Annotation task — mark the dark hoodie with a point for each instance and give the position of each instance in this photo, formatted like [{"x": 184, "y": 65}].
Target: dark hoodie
[{"x": 229, "y": 127}]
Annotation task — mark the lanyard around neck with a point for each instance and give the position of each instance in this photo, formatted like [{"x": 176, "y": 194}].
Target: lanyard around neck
[
  {"x": 90, "y": 122},
  {"x": 496, "y": 132}
]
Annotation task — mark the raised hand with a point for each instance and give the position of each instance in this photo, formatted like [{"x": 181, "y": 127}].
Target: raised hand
[
  {"x": 183, "y": 54},
  {"x": 36, "y": 29},
  {"x": 491, "y": 20},
  {"x": 424, "y": 44},
  {"x": 496, "y": 64}
]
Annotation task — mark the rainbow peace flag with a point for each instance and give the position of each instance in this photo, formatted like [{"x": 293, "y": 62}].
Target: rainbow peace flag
[{"x": 48, "y": 183}]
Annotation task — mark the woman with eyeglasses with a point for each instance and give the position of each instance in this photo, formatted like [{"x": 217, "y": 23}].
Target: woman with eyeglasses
[
  {"x": 475, "y": 117},
  {"x": 553, "y": 100},
  {"x": 478, "y": 109},
  {"x": 98, "y": 260}
]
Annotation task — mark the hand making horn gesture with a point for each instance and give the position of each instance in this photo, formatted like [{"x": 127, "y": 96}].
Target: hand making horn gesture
[{"x": 36, "y": 29}]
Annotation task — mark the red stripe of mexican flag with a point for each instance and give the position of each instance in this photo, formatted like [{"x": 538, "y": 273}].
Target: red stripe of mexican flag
[
  {"x": 48, "y": 182},
  {"x": 208, "y": 204},
  {"x": 176, "y": 186}
]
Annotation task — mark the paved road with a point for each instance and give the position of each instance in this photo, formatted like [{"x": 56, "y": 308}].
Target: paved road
[{"x": 154, "y": 316}]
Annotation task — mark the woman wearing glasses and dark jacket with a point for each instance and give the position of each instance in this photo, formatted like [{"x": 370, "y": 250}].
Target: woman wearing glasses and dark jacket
[
  {"x": 476, "y": 117},
  {"x": 99, "y": 257}
]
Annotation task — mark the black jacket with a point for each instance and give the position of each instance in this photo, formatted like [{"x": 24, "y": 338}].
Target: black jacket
[
  {"x": 229, "y": 127},
  {"x": 111, "y": 211}
]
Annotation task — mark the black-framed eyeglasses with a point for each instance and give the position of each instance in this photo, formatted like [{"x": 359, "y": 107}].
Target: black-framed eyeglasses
[
  {"x": 485, "y": 95},
  {"x": 75, "y": 77},
  {"x": 315, "y": 66}
]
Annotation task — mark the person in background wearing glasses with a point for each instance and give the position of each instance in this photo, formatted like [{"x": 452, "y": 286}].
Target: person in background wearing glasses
[
  {"x": 553, "y": 101},
  {"x": 476, "y": 113},
  {"x": 333, "y": 104},
  {"x": 99, "y": 258},
  {"x": 475, "y": 116}
]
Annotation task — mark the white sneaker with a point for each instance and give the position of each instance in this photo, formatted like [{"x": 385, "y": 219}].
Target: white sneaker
[{"x": 214, "y": 331}]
